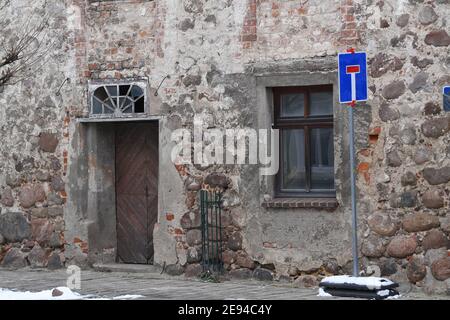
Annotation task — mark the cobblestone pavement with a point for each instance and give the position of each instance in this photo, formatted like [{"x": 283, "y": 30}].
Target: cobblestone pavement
[{"x": 155, "y": 286}]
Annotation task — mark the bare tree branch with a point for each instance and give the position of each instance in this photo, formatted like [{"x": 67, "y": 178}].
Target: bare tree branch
[
  {"x": 3, "y": 4},
  {"x": 23, "y": 52}
]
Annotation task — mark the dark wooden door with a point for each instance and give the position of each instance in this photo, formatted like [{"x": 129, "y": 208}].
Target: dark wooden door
[{"x": 136, "y": 190}]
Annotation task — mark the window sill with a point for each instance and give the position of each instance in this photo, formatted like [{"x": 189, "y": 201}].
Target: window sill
[{"x": 318, "y": 203}]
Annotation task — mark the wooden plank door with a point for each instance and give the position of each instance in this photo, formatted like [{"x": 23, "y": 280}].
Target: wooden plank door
[{"x": 136, "y": 190}]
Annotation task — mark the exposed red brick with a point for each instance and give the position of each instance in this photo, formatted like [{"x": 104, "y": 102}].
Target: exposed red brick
[
  {"x": 302, "y": 11},
  {"x": 366, "y": 176},
  {"x": 178, "y": 231},
  {"x": 249, "y": 34},
  {"x": 348, "y": 33},
  {"x": 249, "y": 22},
  {"x": 77, "y": 240},
  {"x": 349, "y": 17},
  {"x": 375, "y": 130},
  {"x": 373, "y": 138},
  {"x": 248, "y": 37},
  {"x": 363, "y": 166},
  {"x": 249, "y": 30},
  {"x": 365, "y": 152},
  {"x": 247, "y": 45}
]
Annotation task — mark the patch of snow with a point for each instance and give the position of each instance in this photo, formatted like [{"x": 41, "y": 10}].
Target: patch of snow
[
  {"x": 397, "y": 296},
  {"x": 322, "y": 293},
  {"x": 383, "y": 293},
  {"x": 67, "y": 294},
  {"x": 128, "y": 297},
  {"x": 369, "y": 282}
]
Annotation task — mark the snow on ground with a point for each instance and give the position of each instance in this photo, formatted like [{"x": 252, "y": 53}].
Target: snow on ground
[
  {"x": 370, "y": 282},
  {"x": 59, "y": 293},
  {"x": 322, "y": 293},
  {"x": 67, "y": 294},
  {"x": 386, "y": 294},
  {"x": 127, "y": 297}
]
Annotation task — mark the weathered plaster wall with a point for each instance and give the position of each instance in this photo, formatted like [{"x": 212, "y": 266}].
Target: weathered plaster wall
[
  {"x": 214, "y": 52},
  {"x": 33, "y": 126}
]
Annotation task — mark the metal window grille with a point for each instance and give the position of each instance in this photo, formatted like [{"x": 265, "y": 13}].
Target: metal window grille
[
  {"x": 118, "y": 100},
  {"x": 212, "y": 230}
]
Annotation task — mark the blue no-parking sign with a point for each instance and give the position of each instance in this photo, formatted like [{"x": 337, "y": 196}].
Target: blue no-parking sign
[
  {"x": 352, "y": 69},
  {"x": 446, "y": 94}
]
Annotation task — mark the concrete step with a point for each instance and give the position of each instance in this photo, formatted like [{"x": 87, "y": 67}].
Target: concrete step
[{"x": 128, "y": 268}]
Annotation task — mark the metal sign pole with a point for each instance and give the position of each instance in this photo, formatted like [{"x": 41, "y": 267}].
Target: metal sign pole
[
  {"x": 353, "y": 187},
  {"x": 352, "y": 73}
]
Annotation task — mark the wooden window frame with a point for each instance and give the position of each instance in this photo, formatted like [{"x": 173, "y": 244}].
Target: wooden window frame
[{"x": 306, "y": 123}]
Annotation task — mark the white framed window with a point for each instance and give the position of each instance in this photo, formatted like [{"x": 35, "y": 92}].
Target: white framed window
[{"x": 124, "y": 99}]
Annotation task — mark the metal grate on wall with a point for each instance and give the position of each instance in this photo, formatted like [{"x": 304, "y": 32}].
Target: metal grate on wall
[{"x": 212, "y": 230}]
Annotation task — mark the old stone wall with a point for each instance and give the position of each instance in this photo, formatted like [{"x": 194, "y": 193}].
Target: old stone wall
[{"x": 216, "y": 53}]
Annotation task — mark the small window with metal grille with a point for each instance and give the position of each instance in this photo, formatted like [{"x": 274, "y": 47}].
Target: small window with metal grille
[{"x": 118, "y": 100}]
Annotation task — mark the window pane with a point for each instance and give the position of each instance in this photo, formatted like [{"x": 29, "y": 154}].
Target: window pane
[
  {"x": 128, "y": 109},
  {"x": 96, "y": 107},
  {"x": 293, "y": 105},
  {"x": 136, "y": 92},
  {"x": 321, "y": 103},
  {"x": 101, "y": 94},
  {"x": 112, "y": 90},
  {"x": 322, "y": 159},
  {"x": 139, "y": 105},
  {"x": 294, "y": 171},
  {"x": 124, "y": 90}
]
